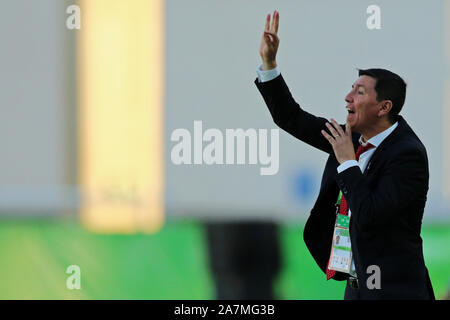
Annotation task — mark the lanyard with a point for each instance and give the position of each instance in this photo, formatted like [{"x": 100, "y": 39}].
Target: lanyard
[{"x": 338, "y": 202}]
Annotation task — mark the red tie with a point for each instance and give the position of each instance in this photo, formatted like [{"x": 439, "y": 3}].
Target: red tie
[{"x": 343, "y": 208}]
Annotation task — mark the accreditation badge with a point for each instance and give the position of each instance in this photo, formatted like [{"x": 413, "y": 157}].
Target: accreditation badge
[{"x": 341, "y": 251}]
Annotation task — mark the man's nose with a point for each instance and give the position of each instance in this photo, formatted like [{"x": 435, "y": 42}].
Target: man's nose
[{"x": 349, "y": 98}]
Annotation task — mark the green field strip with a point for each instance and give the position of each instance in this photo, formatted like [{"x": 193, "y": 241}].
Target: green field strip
[
  {"x": 300, "y": 277},
  {"x": 436, "y": 241},
  {"x": 171, "y": 264}
]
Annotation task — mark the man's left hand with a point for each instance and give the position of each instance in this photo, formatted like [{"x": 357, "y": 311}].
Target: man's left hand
[{"x": 340, "y": 141}]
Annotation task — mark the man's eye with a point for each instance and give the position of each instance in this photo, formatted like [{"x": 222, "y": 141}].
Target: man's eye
[{"x": 361, "y": 92}]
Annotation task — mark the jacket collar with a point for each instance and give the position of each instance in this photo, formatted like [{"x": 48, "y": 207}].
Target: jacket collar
[
  {"x": 402, "y": 129},
  {"x": 379, "y": 138}
]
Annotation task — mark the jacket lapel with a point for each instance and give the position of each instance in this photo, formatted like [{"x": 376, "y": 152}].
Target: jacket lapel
[{"x": 399, "y": 131}]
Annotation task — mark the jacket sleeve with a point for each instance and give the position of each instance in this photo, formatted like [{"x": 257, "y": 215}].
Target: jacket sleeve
[
  {"x": 288, "y": 115},
  {"x": 401, "y": 188}
]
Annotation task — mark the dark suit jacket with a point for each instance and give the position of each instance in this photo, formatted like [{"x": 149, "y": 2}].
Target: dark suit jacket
[{"x": 387, "y": 201}]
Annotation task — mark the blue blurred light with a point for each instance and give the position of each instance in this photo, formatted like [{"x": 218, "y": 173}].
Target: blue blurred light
[{"x": 304, "y": 185}]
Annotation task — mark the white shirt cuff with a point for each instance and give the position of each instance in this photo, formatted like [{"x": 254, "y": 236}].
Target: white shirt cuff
[
  {"x": 267, "y": 75},
  {"x": 347, "y": 164}
]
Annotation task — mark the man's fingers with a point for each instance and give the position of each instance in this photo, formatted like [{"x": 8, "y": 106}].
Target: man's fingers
[
  {"x": 338, "y": 127},
  {"x": 328, "y": 137},
  {"x": 272, "y": 25},
  {"x": 267, "y": 27},
  {"x": 333, "y": 132},
  {"x": 276, "y": 21},
  {"x": 272, "y": 34},
  {"x": 268, "y": 38}
]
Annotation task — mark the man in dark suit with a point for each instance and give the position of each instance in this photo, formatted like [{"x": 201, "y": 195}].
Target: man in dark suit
[{"x": 380, "y": 190}]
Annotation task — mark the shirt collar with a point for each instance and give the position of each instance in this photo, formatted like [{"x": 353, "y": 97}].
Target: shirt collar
[{"x": 378, "y": 139}]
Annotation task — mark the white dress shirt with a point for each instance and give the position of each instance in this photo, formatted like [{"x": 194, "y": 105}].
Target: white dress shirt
[{"x": 267, "y": 75}]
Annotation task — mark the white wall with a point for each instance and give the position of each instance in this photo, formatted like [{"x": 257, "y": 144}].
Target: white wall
[
  {"x": 212, "y": 55},
  {"x": 37, "y": 108}
]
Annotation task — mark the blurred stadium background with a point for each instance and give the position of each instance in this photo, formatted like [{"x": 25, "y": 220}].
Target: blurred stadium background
[{"x": 85, "y": 134}]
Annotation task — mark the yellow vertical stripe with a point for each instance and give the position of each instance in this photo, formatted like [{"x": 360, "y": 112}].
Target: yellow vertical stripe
[{"x": 120, "y": 81}]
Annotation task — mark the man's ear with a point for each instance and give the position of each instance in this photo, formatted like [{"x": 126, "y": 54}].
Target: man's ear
[{"x": 385, "y": 108}]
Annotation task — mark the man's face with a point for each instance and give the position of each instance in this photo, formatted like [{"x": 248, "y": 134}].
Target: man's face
[{"x": 362, "y": 105}]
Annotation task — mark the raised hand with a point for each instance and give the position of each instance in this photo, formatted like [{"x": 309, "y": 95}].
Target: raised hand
[{"x": 270, "y": 42}]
